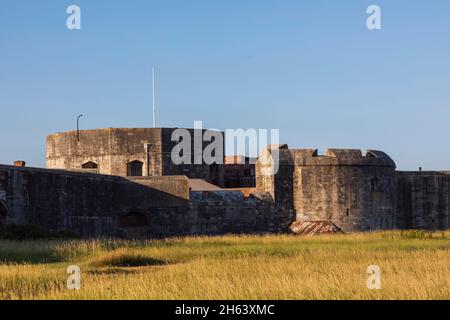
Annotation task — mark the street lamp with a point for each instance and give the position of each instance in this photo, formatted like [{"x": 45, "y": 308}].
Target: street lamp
[{"x": 78, "y": 126}]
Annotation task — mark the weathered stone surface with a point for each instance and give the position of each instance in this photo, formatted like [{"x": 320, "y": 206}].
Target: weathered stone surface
[
  {"x": 93, "y": 205},
  {"x": 113, "y": 150},
  {"x": 423, "y": 200},
  {"x": 354, "y": 191}
]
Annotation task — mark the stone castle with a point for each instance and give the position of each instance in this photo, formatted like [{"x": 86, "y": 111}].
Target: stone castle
[{"x": 122, "y": 183}]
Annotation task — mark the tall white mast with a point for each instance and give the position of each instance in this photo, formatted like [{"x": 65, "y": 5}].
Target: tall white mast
[{"x": 154, "y": 106}]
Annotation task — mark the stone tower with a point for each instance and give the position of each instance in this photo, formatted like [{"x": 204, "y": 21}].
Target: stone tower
[
  {"x": 355, "y": 191},
  {"x": 128, "y": 152}
]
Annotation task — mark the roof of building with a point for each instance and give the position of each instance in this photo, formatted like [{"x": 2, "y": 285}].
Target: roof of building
[{"x": 202, "y": 185}]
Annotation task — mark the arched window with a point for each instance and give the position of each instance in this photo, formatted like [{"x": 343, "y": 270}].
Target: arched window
[
  {"x": 3, "y": 212},
  {"x": 135, "y": 168},
  {"x": 90, "y": 165}
]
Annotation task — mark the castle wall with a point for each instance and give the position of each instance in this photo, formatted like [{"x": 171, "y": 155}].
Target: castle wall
[
  {"x": 93, "y": 205},
  {"x": 222, "y": 212},
  {"x": 355, "y": 191},
  {"x": 423, "y": 200},
  {"x": 88, "y": 204}
]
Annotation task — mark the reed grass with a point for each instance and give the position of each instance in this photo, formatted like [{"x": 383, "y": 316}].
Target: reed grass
[{"x": 415, "y": 265}]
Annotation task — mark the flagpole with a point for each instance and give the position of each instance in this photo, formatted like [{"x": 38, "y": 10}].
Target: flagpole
[{"x": 153, "y": 98}]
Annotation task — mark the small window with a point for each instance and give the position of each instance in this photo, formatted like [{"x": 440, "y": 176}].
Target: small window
[
  {"x": 135, "y": 169},
  {"x": 90, "y": 165}
]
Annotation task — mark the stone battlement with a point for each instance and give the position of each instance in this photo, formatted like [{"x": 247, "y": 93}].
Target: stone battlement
[{"x": 332, "y": 157}]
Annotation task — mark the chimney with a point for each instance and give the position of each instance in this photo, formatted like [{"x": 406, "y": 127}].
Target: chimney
[{"x": 19, "y": 163}]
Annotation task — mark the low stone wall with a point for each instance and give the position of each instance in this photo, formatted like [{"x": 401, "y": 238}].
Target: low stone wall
[
  {"x": 87, "y": 204},
  {"x": 94, "y": 205},
  {"x": 423, "y": 200}
]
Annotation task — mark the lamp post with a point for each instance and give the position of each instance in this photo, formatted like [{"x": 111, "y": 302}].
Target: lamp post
[{"x": 78, "y": 126}]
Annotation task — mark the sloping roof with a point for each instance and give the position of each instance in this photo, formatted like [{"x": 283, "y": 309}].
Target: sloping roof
[
  {"x": 202, "y": 185},
  {"x": 310, "y": 228}
]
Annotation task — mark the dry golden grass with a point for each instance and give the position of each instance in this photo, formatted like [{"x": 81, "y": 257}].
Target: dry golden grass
[{"x": 414, "y": 265}]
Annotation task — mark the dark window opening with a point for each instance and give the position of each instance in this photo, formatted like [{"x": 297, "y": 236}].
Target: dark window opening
[
  {"x": 135, "y": 169},
  {"x": 348, "y": 212},
  {"x": 133, "y": 220},
  {"x": 90, "y": 165},
  {"x": 3, "y": 212}
]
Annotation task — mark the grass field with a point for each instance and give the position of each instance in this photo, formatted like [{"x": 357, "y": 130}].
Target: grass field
[{"x": 415, "y": 265}]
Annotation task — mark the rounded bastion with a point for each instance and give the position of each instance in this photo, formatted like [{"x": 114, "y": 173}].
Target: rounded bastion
[{"x": 352, "y": 189}]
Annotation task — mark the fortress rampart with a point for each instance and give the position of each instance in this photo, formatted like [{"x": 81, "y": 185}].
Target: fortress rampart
[{"x": 353, "y": 190}]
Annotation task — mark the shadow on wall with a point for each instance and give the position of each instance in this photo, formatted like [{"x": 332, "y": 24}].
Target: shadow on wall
[
  {"x": 132, "y": 208},
  {"x": 88, "y": 204}
]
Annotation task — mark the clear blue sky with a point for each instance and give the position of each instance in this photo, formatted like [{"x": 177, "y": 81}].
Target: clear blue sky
[{"x": 310, "y": 68}]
